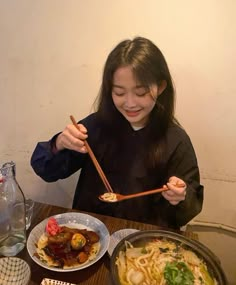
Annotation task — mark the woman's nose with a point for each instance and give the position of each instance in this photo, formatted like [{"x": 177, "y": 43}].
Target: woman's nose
[{"x": 130, "y": 100}]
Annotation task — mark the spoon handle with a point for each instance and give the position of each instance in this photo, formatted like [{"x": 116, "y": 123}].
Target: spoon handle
[{"x": 149, "y": 192}]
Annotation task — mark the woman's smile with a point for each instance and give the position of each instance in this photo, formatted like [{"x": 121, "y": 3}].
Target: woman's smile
[
  {"x": 131, "y": 113},
  {"x": 131, "y": 99}
]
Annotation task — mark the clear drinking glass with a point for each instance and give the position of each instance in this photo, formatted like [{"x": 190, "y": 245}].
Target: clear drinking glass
[{"x": 29, "y": 209}]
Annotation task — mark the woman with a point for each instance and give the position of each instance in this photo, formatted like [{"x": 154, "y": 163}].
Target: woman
[{"x": 136, "y": 139}]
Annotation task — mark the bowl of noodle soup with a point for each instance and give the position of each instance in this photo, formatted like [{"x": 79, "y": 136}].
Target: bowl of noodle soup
[{"x": 159, "y": 257}]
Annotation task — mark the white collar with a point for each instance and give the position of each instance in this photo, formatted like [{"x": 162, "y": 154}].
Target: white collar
[{"x": 137, "y": 128}]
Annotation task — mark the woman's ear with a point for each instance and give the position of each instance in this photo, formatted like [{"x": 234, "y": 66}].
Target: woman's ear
[{"x": 161, "y": 87}]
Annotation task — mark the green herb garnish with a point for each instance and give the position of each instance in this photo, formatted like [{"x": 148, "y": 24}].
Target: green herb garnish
[{"x": 177, "y": 273}]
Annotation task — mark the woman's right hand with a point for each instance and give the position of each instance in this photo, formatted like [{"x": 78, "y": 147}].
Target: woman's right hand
[{"x": 72, "y": 138}]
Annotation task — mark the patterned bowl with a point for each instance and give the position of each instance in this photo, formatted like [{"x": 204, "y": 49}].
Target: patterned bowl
[
  {"x": 14, "y": 271},
  {"x": 47, "y": 281}
]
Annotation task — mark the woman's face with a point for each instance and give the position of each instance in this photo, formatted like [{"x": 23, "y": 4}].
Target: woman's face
[{"x": 132, "y": 100}]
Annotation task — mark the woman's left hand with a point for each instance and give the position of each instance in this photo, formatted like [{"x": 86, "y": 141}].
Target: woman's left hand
[{"x": 176, "y": 192}]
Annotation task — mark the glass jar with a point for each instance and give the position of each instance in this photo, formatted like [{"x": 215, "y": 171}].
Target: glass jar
[{"x": 12, "y": 212}]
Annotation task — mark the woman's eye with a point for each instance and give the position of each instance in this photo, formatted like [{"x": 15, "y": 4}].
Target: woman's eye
[
  {"x": 118, "y": 93},
  {"x": 142, "y": 92}
]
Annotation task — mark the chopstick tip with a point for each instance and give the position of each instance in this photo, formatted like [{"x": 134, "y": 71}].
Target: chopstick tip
[{"x": 73, "y": 120}]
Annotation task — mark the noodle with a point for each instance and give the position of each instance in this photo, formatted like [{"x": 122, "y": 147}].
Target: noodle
[
  {"x": 155, "y": 262},
  {"x": 111, "y": 197}
]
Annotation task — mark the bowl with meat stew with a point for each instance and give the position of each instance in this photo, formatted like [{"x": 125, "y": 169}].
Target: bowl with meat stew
[{"x": 68, "y": 242}]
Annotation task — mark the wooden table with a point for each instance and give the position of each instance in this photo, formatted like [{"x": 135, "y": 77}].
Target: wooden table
[{"x": 96, "y": 274}]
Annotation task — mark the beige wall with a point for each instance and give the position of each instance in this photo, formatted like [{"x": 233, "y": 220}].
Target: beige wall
[{"x": 51, "y": 59}]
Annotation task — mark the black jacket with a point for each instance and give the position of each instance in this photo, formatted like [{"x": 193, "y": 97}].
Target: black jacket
[{"x": 126, "y": 173}]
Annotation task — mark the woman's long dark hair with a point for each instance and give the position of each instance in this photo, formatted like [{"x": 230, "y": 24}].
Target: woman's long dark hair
[{"x": 149, "y": 67}]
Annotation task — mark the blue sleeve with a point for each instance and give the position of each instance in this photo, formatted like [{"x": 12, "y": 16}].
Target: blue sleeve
[{"x": 51, "y": 167}]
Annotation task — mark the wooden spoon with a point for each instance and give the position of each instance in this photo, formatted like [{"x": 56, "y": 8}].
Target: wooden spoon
[{"x": 116, "y": 197}]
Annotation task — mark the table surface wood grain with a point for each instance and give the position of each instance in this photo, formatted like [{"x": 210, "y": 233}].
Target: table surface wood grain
[{"x": 96, "y": 274}]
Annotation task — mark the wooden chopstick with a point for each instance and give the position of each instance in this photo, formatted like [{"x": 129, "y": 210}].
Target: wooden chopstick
[{"x": 94, "y": 160}]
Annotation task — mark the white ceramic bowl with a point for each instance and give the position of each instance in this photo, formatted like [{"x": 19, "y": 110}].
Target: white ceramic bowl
[
  {"x": 78, "y": 220},
  {"x": 117, "y": 236},
  {"x": 14, "y": 271}
]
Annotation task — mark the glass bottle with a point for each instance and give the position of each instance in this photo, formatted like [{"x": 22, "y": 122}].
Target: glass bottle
[{"x": 12, "y": 212}]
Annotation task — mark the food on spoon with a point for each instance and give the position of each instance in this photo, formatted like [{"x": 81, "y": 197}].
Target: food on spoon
[
  {"x": 109, "y": 196},
  {"x": 67, "y": 247}
]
